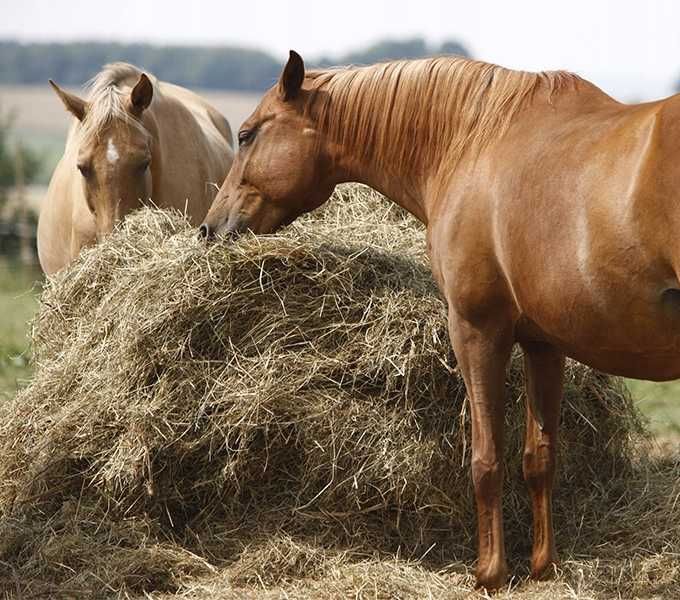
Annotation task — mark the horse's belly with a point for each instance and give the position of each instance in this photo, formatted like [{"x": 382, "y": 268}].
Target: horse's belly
[
  {"x": 631, "y": 334},
  {"x": 644, "y": 365}
]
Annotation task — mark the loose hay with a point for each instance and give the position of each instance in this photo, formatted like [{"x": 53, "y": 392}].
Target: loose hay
[{"x": 283, "y": 416}]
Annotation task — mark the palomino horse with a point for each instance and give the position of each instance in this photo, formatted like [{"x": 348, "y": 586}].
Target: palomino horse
[
  {"x": 550, "y": 211},
  {"x": 133, "y": 139}
]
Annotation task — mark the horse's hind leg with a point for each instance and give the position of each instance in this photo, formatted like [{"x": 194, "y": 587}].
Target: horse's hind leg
[
  {"x": 483, "y": 349},
  {"x": 544, "y": 368}
]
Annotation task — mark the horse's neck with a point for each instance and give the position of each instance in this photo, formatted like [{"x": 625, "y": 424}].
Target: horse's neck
[
  {"x": 166, "y": 122},
  {"x": 406, "y": 128},
  {"x": 405, "y": 190},
  {"x": 180, "y": 171},
  {"x": 405, "y": 182}
]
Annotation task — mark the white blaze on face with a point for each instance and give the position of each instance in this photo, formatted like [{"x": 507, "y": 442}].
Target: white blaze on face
[{"x": 111, "y": 152}]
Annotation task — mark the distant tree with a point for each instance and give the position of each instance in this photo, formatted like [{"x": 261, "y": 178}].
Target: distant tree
[
  {"x": 388, "y": 50},
  {"x": 14, "y": 157},
  {"x": 394, "y": 50},
  {"x": 226, "y": 67},
  {"x": 196, "y": 66},
  {"x": 454, "y": 47}
]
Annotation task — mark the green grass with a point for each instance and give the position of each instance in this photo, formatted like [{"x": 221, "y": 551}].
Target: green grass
[
  {"x": 660, "y": 403},
  {"x": 19, "y": 286}
]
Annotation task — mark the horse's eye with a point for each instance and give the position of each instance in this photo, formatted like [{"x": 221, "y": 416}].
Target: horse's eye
[
  {"x": 144, "y": 166},
  {"x": 85, "y": 170},
  {"x": 245, "y": 136}
]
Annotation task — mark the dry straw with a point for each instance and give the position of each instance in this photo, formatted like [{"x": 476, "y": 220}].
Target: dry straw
[{"x": 282, "y": 417}]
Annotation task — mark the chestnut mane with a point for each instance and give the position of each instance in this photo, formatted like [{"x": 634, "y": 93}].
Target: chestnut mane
[{"x": 410, "y": 113}]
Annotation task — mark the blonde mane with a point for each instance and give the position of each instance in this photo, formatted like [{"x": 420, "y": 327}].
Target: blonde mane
[
  {"x": 107, "y": 95},
  {"x": 409, "y": 114}
]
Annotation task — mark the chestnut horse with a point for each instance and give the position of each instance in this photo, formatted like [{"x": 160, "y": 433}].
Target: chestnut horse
[
  {"x": 133, "y": 139},
  {"x": 550, "y": 211}
]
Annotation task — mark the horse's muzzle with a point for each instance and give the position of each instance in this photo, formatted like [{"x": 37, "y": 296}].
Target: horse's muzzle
[
  {"x": 230, "y": 231},
  {"x": 206, "y": 232}
]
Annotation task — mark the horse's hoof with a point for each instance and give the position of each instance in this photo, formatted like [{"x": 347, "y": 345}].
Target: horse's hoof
[
  {"x": 544, "y": 567},
  {"x": 492, "y": 577}
]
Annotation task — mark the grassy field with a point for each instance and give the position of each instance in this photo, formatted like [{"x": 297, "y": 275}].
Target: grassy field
[
  {"x": 19, "y": 286},
  {"x": 660, "y": 402}
]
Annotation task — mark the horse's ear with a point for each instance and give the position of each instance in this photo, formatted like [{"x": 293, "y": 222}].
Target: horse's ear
[
  {"x": 76, "y": 106},
  {"x": 292, "y": 77},
  {"x": 141, "y": 94}
]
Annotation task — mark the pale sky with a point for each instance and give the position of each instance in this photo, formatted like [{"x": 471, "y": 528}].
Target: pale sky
[{"x": 630, "y": 48}]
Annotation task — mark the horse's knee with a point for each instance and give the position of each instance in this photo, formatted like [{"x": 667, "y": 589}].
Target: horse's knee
[
  {"x": 538, "y": 466},
  {"x": 487, "y": 476}
]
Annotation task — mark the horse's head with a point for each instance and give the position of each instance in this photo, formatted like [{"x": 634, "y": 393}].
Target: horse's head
[
  {"x": 280, "y": 170},
  {"x": 114, "y": 151}
]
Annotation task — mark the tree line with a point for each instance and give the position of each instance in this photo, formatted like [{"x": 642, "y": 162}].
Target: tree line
[
  {"x": 16, "y": 160},
  {"x": 225, "y": 67}
]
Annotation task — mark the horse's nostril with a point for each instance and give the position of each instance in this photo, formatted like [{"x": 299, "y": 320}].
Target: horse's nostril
[{"x": 205, "y": 232}]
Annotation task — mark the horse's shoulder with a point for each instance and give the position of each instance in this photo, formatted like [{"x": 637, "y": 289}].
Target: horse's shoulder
[{"x": 56, "y": 218}]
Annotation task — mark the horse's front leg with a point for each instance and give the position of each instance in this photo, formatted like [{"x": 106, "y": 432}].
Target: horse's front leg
[
  {"x": 544, "y": 370},
  {"x": 482, "y": 350}
]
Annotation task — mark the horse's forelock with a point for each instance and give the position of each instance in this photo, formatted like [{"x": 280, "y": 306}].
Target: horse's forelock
[{"x": 107, "y": 99}]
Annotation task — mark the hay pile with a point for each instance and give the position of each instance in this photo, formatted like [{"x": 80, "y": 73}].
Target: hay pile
[{"x": 282, "y": 416}]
